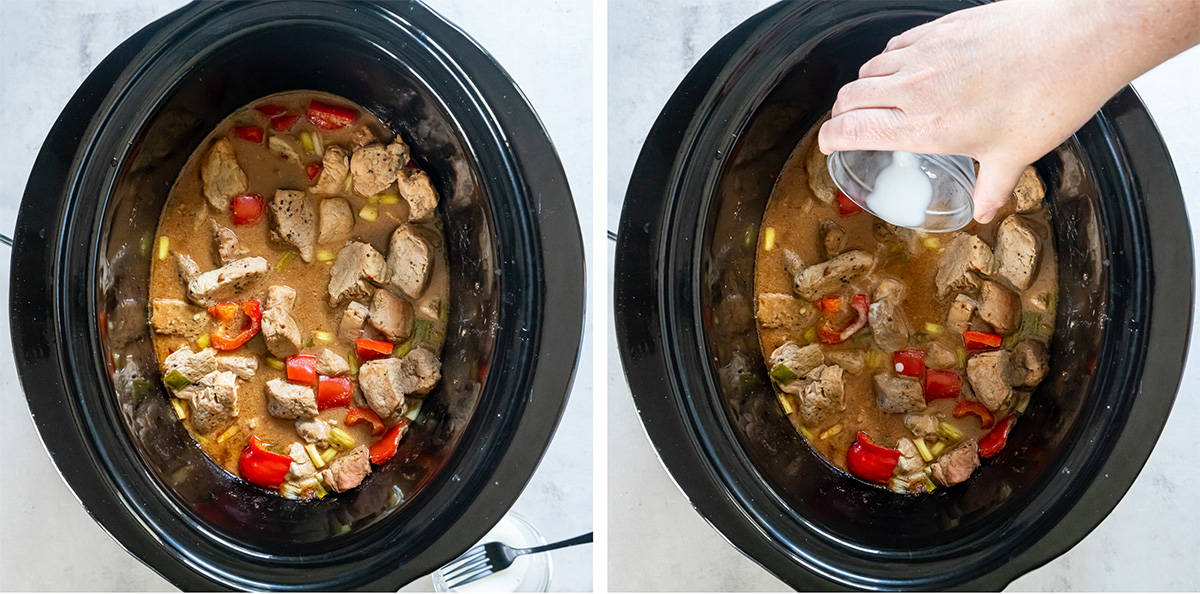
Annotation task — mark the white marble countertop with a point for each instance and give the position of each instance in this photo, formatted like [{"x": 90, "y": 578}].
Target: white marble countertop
[
  {"x": 658, "y": 542},
  {"x": 46, "y": 49}
]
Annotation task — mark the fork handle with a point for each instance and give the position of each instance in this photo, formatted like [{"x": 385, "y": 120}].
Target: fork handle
[{"x": 581, "y": 539}]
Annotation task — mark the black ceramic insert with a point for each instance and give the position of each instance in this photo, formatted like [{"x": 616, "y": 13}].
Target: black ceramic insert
[
  {"x": 81, "y": 266},
  {"x": 701, "y": 184}
]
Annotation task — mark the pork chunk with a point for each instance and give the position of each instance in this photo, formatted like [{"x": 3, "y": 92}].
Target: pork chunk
[
  {"x": 991, "y": 378},
  {"x": 999, "y": 307},
  {"x": 178, "y": 318},
  {"x": 408, "y": 261},
  {"x": 226, "y": 243},
  {"x": 337, "y": 220},
  {"x": 348, "y": 470},
  {"x": 226, "y": 282},
  {"x": 852, "y": 360},
  {"x": 422, "y": 369},
  {"x": 1017, "y": 252},
  {"x": 416, "y": 189},
  {"x": 290, "y": 401},
  {"x": 965, "y": 258},
  {"x": 780, "y": 310},
  {"x": 335, "y": 166},
  {"x": 221, "y": 175},
  {"x": 898, "y": 394},
  {"x": 313, "y": 430},
  {"x": 186, "y": 267},
  {"x": 362, "y": 136},
  {"x": 1030, "y": 363},
  {"x": 353, "y": 318},
  {"x": 383, "y": 386},
  {"x": 286, "y": 146},
  {"x": 214, "y": 400},
  {"x": 824, "y": 395},
  {"x": 890, "y": 289},
  {"x": 392, "y": 316},
  {"x": 801, "y": 360},
  {"x": 356, "y": 268},
  {"x": 194, "y": 366},
  {"x": 281, "y": 332},
  {"x": 302, "y": 466},
  {"x": 833, "y": 238},
  {"x": 280, "y": 296},
  {"x": 910, "y": 457},
  {"x": 819, "y": 181},
  {"x": 956, "y": 465},
  {"x": 243, "y": 366},
  {"x": 940, "y": 356},
  {"x": 889, "y": 325},
  {"x": 921, "y": 425},
  {"x": 374, "y": 167},
  {"x": 815, "y": 281},
  {"x": 1030, "y": 191},
  {"x": 331, "y": 363},
  {"x": 294, "y": 222}
]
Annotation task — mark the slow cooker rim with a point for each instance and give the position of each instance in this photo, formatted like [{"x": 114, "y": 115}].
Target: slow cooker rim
[
  {"x": 642, "y": 179},
  {"x": 556, "y": 231}
]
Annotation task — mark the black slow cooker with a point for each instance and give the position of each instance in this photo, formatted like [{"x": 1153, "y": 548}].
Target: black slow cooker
[
  {"x": 79, "y": 284},
  {"x": 702, "y": 181}
]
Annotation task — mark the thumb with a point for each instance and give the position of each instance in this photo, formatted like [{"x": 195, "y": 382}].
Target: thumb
[{"x": 993, "y": 186}]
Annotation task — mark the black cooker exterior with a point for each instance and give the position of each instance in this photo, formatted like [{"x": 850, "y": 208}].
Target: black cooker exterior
[
  {"x": 79, "y": 282},
  {"x": 683, "y": 309}
]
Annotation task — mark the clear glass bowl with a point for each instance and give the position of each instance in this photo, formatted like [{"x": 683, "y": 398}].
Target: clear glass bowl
[
  {"x": 528, "y": 573},
  {"x": 952, "y": 176}
]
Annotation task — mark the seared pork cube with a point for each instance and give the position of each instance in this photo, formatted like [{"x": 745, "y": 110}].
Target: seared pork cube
[
  {"x": 221, "y": 175},
  {"x": 226, "y": 243},
  {"x": 213, "y": 399},
  {"x": 991, "y": 378},
  {"x": 335, "y": 166},
  {"x": 295, "y": 223},
  {"x": 1030, "y": 363},
  {"x": 964, "y": 260},
  {"x": 286, "y": 146},
  {"x": 958, "y": 317},
  {"x": 939, "y": 356},
  {"x": 353, "y": 318},
  {"x": 192, "y": 365},
  {"x": 302, "y": 465},
  {"x": 1017, "y": 252},
  {"x": 226, "y": 282},
  {"x": 243, "y": 366},
  {"x": 824, "y": 396},
  {"x": 290, "y": 401},
  {"x": 813, "y": 282},
  {"x": 178, "y": 318},
  {"x": 819, "y": 181},
  {"x": 800, "y": 360},
  {"x": 280, "y": 330},
  {"x": 416, "y": 189},
  {"x": 1030, "y": 191},
  {"x": 422, "y": 369},
  {"x": 337, "y": 220},
  {"x": 910, "y": 457},
  {"x": 313, "y": 430},
  {"x": 852, "y": 360},
  {"x": 383, "y": 385},
  {"x": 392, "y": 316},
  {"x": 898, "y": 394},
  {"x": 408, "y": 261},
  {"x": 780, "y": 310},
  {"x": 186, "y": 267},
  {"x": 999, "y": 307},
  {"x": 357, "y": 267},
  {"x": 348, "y": 470},
  {"x": 374, "y": 167},
  {"x": 833, "y": 238},
  {"x": 921, "y": 425},
  {"x": 889, "y": 289},
  {"x": 331, "y": 363},
  {"x": 280, "y": 296},
  {"x": 889, "y": 325},
  {"x": 362, "y": 136},
  {"x": 956, "y": 465}
]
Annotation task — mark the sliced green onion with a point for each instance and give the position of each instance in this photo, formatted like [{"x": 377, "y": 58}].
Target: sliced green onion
[
  {"x": 919, "y": 338},
  {"x": 324, "y": 255},
  {"x": 768, "y": 238},
  {"x": 329, "y": 454},
  {"x": 830, "y": 432},
  {"x": 317, "y": 459},
  {"x": 349, "y": 182},
  {"x": 949, "y": 431},
  {"x": 230, "y": 432},
  {"x": 751, "y": 235},
  {"x": 176, "y": 380},
  {"x": 402, "y": 349},
  {"x": 807, "y": 433},
  {"x": 783, "y": 374},
  {"x": 181, "y": 409},
  {"x": 369, "y": 212},
  {"x": 307, "y": 140},
  {"x": 274, "y": 363},
  {"x": 929, "y": 486},
  {"x": 931, "y": 243},
  {"x": 339, "y": 439},
  {"x": 164, "y": 247},
  {"x": 284, "y": 260},
  {"x": 1023, "y": 403},
  {"x": 414, "y": 410},
  {"x": 960, "y": 357},
  {"x": 389, "y": 199},
  {"x": 141, "y": 389},
  {"x": 810, "y": 335},
  {"x": 937, "y": 448},
  {"x": 373, "y": 199},
  {"x": 934, "y": 329},
  {"x": 353, "y": 361},
  {"x": 204, "y": 341},
  {"x": 321, "y": 492},
  {"x": 318, "y": 144},
  {"x": 874, "y": 358},
  {"x": 922, "y": 449},
  {"x": 323, "y": 336},
  {"x": 785, "y": 400},
  {"x": 144, "y": 244}
]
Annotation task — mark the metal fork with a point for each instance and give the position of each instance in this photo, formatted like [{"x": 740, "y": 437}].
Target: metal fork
[{"x": 488, "y": 558}]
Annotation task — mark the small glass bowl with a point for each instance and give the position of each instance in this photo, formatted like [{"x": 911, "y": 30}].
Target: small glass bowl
[
  {"x": 953, "y": 178},
  {"x": 528, "y": 573}
]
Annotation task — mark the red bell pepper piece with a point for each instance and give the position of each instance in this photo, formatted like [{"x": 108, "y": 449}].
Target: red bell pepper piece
[
  {"x": 270, "y": 109},
  {"x": 251, "y": 133},
  {"x": 312, "y": 170},
  {"x": 262, "y": 467},
  {"x": 994, "y": 441},
  {"x": 830, "y": 304},
  {"x": 910, "y": 362},
  {"x": 225, "y": 313},
  {"x": 246, "y": 208},
  {"x": 982, "y": 340},
  {"x": 827, "y": 334},
  {"x": 333, "y": 392},
  {"x": 869, "y": 461},
  {"x": 330, "y": 117},
  {"x": 846, "y": 206},
  {"x": 365, "y": 415},
  {"x": 970, "y": 407},
  {"x": 372, "y": 349},
  {"x": 283, "y": 123},
  {"x": 302, "y": 369},
  {"x": 383, "y": 450},
  {"x": 940, "y": 383}
]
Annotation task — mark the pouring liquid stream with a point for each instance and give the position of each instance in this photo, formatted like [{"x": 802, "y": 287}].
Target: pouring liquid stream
[{"x": 903, "y": 192}]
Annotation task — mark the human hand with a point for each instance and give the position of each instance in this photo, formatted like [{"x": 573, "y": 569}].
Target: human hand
[{"x": 1004, "y": 83}]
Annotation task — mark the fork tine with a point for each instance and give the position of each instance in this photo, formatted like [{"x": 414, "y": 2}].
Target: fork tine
[
  {"x": 471, "y": 555},
  {"x": 478, "y": 575},
  {"x": 462, "y": 570}
]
